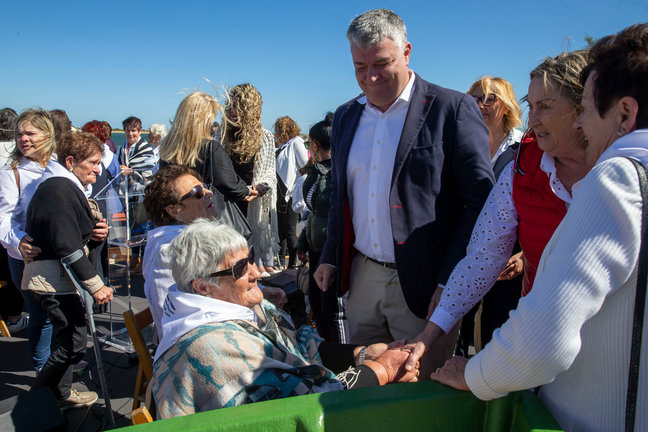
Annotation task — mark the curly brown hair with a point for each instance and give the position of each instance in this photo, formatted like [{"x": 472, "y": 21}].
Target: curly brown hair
[
  {"x": 79, "y": 145},
  {"x": 243, "y": 141},
  {"x": 161, "y": 193},
  {"x": 285, "y": 130}
]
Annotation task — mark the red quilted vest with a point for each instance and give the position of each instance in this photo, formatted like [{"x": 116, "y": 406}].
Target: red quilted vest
[{"x": 539, "y": 209}]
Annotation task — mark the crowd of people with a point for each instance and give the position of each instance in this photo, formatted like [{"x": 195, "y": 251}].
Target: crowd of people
[{"x": 431, "y": 222}]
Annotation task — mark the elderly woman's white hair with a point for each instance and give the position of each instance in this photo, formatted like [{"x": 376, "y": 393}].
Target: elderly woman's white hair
[
  {"x": 159, "y": 129},
  {"x": 201, "y": 249}
]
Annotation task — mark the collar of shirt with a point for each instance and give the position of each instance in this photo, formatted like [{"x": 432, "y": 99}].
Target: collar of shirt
[
  {"x": 548, "y": 165},
  {"x": 514, "y": 136},
  {"x": 404, "y": 97}
]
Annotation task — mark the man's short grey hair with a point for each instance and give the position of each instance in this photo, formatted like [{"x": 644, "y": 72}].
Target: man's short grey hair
[
  {"x": 159, "y": 129},
  {"x": 201, "y": 249},
  {"x": 375, "y": 25}
]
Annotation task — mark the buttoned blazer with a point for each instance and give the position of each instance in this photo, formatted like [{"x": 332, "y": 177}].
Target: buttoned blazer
[{"x": 441, "y": 178}]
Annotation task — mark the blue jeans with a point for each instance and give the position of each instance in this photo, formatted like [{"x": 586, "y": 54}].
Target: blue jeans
[{"x": 39, "y": 330}]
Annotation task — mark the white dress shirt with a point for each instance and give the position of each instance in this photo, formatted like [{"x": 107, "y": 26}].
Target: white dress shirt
[{"x": 369, "y": 173}]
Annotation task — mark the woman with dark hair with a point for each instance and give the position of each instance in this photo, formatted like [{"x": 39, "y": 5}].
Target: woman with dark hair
[
  {"x": 573, "y": 334},
  {"x": 316, "y": 190},
  {"x": 62, "y": 220},
  {"x": 7, "y": 130},
  {"x": 61, "y": 122},
  {"x": 291, "y": 155}
]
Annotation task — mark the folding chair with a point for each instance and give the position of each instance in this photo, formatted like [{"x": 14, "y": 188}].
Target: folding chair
[
  {"x": 141, "y": 415},
  {"x": 135, "y": 323}
]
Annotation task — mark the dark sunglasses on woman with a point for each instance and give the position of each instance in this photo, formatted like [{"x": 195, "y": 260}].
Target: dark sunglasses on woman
[
  {"x": 239, "y": 269},
  {"x": 197, "y": 192},
  {"x": 486, "y": 100}
]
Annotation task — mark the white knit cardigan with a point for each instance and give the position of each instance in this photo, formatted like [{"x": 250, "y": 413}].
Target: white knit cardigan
[{"x": 572, "y": 333}]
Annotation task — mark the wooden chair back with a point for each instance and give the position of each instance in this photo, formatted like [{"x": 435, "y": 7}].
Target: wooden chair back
[{"x": 135, "y": 323}]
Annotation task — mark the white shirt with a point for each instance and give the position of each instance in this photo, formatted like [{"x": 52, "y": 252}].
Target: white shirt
[
  {"x": 13, "y": 205},
  {"x": 292, "y": 157},
  {"x": 490, "y": 247},
  {"x": 572, "y": 333},
  {"x": 514, "y": 136},
  {"x": 156, "y": 269},
  {"x": 369, "y": 173}
]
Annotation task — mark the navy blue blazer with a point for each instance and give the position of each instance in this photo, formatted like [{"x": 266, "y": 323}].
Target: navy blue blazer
[{"x": 442, "y": 176}]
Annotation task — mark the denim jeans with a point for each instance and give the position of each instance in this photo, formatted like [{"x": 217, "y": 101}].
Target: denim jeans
[{"x": 39, "y": 330}]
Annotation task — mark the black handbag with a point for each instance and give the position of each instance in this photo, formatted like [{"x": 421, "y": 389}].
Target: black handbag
[
  {"x": 228, "y": 212},
  {"x": 640, "y": 303}
]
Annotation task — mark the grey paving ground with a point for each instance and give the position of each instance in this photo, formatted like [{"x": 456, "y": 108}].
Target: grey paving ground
[{"x": 16, "y": 374}]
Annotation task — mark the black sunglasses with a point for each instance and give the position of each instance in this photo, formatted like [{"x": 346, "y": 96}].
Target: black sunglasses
[
  {"x": 486, "y": 100},
  {"x": 197, "y": 192},
  {"x": 239, "y": 268}
]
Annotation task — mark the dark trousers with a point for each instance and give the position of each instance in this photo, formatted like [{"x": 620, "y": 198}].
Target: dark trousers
[
  {"x": 326, "y": 312},
  {"x": 287, "y": 225},
  {"x": 69, "y": 343}
]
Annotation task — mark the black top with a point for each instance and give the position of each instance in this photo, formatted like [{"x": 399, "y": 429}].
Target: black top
[{"x": 60, "y": 222}]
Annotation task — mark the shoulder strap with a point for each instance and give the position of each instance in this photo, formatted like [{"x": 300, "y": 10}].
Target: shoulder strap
[
  {"x": 17, "y": 176},
  {"x": 640, "y": 303}
]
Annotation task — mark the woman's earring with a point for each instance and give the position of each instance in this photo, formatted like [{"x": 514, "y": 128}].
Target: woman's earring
[{"x": 621, "y": 131}]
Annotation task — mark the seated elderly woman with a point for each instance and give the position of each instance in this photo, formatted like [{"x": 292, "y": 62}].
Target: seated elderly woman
[
  {"x": 573, "y": 334},
  {"x": 175, "y": 197},
  {"x": 223, "y": 345}
]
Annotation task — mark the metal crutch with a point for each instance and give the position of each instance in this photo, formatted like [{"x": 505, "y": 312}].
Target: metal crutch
[{"x": 87, "y": 302}]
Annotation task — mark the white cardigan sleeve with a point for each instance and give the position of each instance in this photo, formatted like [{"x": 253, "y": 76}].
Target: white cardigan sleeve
[
  {"x": 487, "y": 253},
  {"x": 11, "y": 232},
  {"x": 592, "y": 253}
]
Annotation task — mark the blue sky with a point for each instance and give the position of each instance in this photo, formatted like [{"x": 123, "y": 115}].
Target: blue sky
[{"x": 109, "y": 60}]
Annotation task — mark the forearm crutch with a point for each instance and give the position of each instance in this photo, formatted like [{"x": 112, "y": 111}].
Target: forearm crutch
[{"x": 87, "y": 302}]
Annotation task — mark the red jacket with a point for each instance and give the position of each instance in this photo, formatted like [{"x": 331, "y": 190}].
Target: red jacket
[{"x": 539, "y": 209}]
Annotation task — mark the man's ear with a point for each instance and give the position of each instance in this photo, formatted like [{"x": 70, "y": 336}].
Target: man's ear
[{"x": 173, "y": 211}]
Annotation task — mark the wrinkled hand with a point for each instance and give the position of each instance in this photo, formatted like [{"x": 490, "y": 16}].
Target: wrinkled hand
[
  {"x": 393, "y": 361},
  {"x": 421, "y": 343},
  {"x": 434, "y": 301},
  {"x": 302, "y": 255},
  {"x": 253, "y": 194},
  {"x": 27, "y": 249},
  {"x": 324, "y": 276},
  {"x": 514, "y": 267},
  {"x": 100, "y": 231},
  {"x": 104, "y": 295},
  {"x": 276, "y": 296},
  {"x": 452, "y": 373}
]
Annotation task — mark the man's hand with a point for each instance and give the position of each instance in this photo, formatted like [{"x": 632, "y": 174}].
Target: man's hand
[
  {"x": 393, "y": 369},
  {"x": 100, "y": 231},
  {"x": 452, "y": 373},
  {"x": 324, "y": 276},
  {"x": 276, "y": 296},
  {"x": 421, "y": 343},
  {"x": 104, "y": 295},
  {"x": 27, "y": 249},
  {"x": 514, "y": 267},
  {"x": 434, "y": 301}
]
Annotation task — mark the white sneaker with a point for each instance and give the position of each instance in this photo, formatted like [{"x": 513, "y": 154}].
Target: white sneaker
[
  {"x": 21, "y": 324},
  {"x": 78, "y": 399}
]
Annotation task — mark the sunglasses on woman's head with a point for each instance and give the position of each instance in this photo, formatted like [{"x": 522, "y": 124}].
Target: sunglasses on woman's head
[
  {"x": 239, "y": 268},
  {"x": 197, "y": 192}
]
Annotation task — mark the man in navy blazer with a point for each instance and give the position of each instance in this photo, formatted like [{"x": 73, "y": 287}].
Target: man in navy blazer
[{"x": 410, "y": 173}]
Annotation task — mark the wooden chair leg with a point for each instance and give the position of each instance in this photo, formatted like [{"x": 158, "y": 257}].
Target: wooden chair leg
[
  {"x": 3, "y": 329},
  {"x": 141, "y": 415},
  {"x": 137, "y": 394}
]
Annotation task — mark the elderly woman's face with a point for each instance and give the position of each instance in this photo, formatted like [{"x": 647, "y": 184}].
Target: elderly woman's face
[
  {"x": 86, "y": 170},
  {"x": 243, "y": 291},
  {"x": 551, "y": 116},
  {"x": 197, "y": 200},
  {"x": 600, "y": 132}
]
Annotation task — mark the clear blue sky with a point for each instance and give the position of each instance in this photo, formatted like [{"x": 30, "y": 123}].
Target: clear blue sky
[{"x": 108, "y": 60}]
